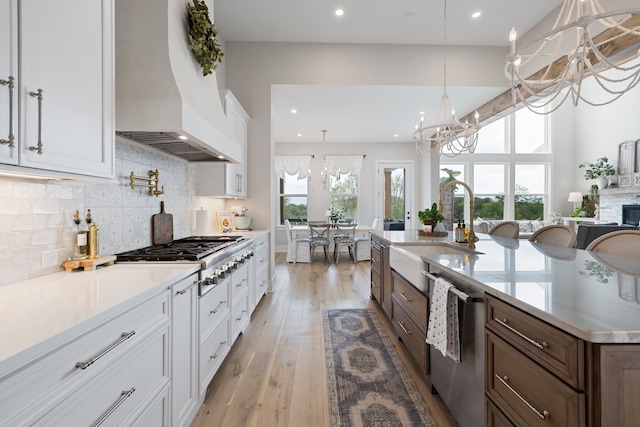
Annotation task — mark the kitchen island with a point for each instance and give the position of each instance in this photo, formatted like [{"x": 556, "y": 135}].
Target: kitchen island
[{"x": 561, "y": 329}]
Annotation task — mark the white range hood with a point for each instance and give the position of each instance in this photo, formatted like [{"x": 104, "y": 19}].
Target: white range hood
[{"x": 161, "y": 94}]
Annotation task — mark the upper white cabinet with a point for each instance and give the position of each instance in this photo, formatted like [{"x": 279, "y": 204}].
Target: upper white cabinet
[
  {"x": 60, "y": 110},
  {"x": 227, "y": 179}
]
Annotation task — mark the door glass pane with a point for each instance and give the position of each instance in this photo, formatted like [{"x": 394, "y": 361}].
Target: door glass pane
[{"x": 394, "y": 194}]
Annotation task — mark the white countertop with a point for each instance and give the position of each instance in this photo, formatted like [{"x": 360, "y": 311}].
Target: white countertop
[
  {"x": 47, "y": 309},
  {"x": 592, "y": 296}
]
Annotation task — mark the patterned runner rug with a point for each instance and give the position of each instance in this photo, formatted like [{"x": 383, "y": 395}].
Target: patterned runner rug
[{"x": 368, "y": 386}]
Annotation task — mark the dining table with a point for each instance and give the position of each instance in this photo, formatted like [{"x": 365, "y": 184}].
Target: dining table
[{"x": 302, "y": 231}]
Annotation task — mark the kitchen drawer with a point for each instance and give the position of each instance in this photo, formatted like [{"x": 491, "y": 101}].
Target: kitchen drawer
[
  {"x": 414, "y": 302},
  {"x": 214, "y": 307},
  {"x": 375, "y": 285},
  {"x": 495, "y": 417},
  {"x": 559, "y": 352},
  {"x": 239, "y": 282},
  {"x": 262, "y": 283},
  {"x": 530, "y": 384},
  {"x": 239, "y": 316},
  {"x": 212, "y": 353},
  {"x": 376, "y": 255},
  {"x": 122, "y": 388},
  {"x": 409, "y": 333},
  {"x": 261, "y": 248},
  {"x": 39, "y": 386},
  {"x": 156, "y": 413}
]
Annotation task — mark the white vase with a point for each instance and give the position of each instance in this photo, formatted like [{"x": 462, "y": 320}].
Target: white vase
[{"x": 603, "y": 182}]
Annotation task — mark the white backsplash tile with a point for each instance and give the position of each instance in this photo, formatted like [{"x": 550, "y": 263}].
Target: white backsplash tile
[{"x": 38, "y": 215}]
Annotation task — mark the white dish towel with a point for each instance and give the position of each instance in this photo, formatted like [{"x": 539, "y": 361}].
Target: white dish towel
[{"x": 444, "y": 331}]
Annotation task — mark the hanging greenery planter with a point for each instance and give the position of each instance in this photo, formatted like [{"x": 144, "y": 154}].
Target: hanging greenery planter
[{"x": 203, "y": 34}]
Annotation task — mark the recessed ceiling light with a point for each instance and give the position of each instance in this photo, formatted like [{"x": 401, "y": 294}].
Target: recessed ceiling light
[
  {"x": 339, "y": 12},
  {"x": 182, "y": 137},
  {"x": 396, "y": 135},
  {"x": 221, "y": 157},
  {"x": 299, "y": 134},
  {"x": 293, "y": 111},
  {"x": 476, "y": 14}
]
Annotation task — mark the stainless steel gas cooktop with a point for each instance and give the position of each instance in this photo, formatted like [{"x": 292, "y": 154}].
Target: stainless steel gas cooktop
[{"x": 192, "y": 248}]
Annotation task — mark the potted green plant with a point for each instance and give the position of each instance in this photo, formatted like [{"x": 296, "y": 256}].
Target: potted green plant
[
  {"x": 599, "y": 170},
  {"x": 431, "y": 216}
]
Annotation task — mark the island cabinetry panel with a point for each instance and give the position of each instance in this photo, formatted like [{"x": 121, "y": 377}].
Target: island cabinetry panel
[
  {"x": 410, "y": 312},
  {"x": 495, "y": 417},
  {"x": 617, "y": 371},
  {"x": 560, "y": 353},
  {"x": 380, "y": 267},
  {"x": 526, "y": 392}
]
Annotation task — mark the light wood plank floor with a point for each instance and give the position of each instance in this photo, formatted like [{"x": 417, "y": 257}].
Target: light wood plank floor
[{"x": 275, "y": 374}]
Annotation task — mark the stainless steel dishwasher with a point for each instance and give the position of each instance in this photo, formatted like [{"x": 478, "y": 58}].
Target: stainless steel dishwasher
[{"x": 461, "y": 385}]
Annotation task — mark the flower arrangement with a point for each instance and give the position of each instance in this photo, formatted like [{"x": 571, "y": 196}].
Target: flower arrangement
[
  {"x": 600, "y": 169},
  {"x": 203, "y": 34},
  {"x": 432, "y": 214}
]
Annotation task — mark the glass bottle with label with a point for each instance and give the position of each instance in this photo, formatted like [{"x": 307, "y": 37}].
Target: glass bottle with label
[{"x": 80, "y": 242}]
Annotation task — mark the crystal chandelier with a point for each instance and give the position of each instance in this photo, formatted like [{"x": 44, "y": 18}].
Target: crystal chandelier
[
  {"x": 452, "y": 136},
  {"x": 564, "y": 69}
]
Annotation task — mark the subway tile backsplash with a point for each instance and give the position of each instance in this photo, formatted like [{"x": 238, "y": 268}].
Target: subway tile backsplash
[{"x": 37, "y": 215}]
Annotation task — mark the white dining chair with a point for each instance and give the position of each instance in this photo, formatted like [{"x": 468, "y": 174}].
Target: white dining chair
[
  {"x": 362, "y": 244},
  {"x": 344, "y": 238},
  {"x": 298, "y": 248}
]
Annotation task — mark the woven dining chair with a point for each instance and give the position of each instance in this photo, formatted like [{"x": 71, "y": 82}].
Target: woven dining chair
[
  {"x": 509, "y": 229},
  {"x": 624, "y": 243},
  {"x": 555, "y": 234}
]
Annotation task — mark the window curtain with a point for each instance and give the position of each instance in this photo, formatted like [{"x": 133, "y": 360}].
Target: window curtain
[
  {"x": 293, "y": 165},
  {"x": 345, "y": 164}
]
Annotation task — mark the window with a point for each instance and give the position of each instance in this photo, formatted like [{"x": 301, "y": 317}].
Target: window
[
  {"x": 344, "y": 195},
  {"x": 509, "y": 169},
  {"x": 293, "y": 199}
]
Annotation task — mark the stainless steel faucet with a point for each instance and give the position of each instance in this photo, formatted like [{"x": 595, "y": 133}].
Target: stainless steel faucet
[{"x": 472, "y": 235}]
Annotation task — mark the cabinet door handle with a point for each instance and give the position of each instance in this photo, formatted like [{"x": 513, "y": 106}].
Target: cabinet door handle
[
  {"x": 11, "y": 138},
  {"x": 404, "y": 329},
  {"x": 404, "y": 297},
  {"x": 504, "y": 322},
  {"x": 123, "y": 396},
  {"x": 38, "y": 148},
  {"x": 125, "y": 336},
  {"x": 543, "y": 415}
]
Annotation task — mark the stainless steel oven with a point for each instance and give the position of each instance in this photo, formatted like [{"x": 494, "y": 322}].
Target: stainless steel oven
[{"x": 218, "y": 256}]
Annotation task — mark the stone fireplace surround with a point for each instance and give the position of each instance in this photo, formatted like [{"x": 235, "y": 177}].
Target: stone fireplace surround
[{"x": 612, "y": 200}]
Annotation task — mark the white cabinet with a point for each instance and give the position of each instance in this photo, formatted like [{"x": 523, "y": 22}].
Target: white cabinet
[
  {"x": 261, "y": 269},
  {"x": 239, "y": 300},
  {"x": 61, "y": 108},
  {"x": 227, "y": 179},
  {"x": 184, "y": 351},
  {"x": 79, "y": 382}
]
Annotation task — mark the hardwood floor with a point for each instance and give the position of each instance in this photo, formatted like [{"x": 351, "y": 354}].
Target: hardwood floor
[{"x": 275, "y": 374}]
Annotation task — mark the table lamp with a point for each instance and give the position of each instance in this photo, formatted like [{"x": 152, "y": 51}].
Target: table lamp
[{"x": 575, "y": 197}]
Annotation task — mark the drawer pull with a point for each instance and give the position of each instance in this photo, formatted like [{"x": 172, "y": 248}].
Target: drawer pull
[
  {"x": 123, "y": 396},
  {"x": 375, "y": 261},
  {"x": 185, "y": 290},
  {"x": 125, "y": 336},
  {"x": 543, "y": 415},
  {"x": 215, "y": 310},
  {"x": 215, "y": 355},
  {"x": 404, "y": 297},
  {"x": 404, "y": 329},
  {"x": 504, "y": 322}
]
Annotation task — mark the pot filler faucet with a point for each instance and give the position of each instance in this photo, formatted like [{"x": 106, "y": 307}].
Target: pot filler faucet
[{"x": 472, "y": 235}]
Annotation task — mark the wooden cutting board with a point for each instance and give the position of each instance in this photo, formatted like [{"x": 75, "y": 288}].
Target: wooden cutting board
[{"x": 161, "y": 226}]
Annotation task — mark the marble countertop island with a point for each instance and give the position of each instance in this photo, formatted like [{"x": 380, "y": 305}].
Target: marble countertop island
[{"x": 595, "y": 297}]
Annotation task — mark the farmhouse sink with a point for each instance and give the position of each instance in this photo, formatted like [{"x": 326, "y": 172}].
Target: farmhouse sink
[{"x": 406, "y": 261}]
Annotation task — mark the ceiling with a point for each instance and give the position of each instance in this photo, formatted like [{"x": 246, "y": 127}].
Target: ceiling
[{"x": 372, "y": 113}]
